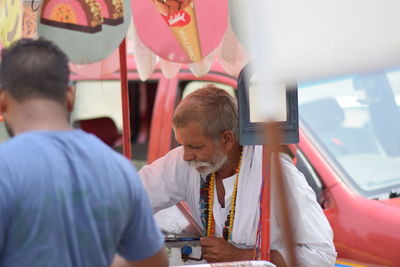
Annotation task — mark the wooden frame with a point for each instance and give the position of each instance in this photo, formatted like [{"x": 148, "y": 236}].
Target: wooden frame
[{"x": 253, "y": 133}]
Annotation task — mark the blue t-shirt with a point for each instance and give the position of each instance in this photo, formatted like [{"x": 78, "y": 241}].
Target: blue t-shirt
[{"x": 67, "y": 199}]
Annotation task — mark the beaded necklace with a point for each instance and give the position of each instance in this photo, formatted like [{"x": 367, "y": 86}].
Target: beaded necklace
[{"x": 207, "y": 204}]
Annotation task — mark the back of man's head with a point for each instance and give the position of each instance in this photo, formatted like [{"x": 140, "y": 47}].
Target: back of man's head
[
  {"x": 213, "y": 108},
  {"x": 34, "y": 69}
]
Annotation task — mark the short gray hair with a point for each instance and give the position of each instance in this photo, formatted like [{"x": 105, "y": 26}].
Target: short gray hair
[{"x": 212, "y": 107}]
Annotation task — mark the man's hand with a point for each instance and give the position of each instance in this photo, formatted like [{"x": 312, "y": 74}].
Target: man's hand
[{"x": 216, "y": 249}]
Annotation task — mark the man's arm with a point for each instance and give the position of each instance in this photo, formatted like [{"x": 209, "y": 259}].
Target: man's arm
[
  {"x": 166, "y": 180},
  {"x": 313, "y": 234},
  {"x": 159, "y": 259},
  {"x": 216, "y": 249}
]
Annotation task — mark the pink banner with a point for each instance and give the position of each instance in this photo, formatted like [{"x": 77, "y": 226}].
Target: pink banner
[{"x": 182, "y": 31}]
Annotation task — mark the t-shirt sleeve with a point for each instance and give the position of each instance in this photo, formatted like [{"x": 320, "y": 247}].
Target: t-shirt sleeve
[{"x": 142, "y": 237}]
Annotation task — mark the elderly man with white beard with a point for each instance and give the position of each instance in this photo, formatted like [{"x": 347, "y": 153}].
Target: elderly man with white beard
[{"x": 220, "y": 180}]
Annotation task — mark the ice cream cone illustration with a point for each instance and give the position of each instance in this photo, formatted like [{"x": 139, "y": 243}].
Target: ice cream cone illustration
[{"x": 181, "y": 18}]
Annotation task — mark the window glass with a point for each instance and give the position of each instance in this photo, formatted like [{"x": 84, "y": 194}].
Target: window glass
[
  {"x": 98, "y": 110},
  {"x": 356, "y": 120},
  {"x": 95, "y": 99}
]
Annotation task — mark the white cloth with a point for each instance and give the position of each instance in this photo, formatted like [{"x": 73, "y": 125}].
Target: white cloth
[
  {"x": 220, "y": 213},
  {"x": 170, "y": 180}
]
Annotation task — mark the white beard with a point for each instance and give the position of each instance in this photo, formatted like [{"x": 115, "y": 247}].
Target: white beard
[{"x": 206, "y": 167}]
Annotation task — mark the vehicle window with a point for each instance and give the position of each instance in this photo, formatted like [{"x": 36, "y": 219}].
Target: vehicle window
[
  {"x": 96, "y": 99},
  {"x": 98, "y": 110},
  {"x": 356, "y": 121}
]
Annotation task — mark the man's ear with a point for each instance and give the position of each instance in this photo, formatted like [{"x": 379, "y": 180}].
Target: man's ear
[
  {"x": 70, "y": 97},
  {"x": 3, "y": 101},
  {"x": 177, "y": 137},
  {"x": 227, "y": 139}
]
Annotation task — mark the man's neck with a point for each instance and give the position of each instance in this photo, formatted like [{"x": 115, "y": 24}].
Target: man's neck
[
  {"x": 39, "y": 115},
  {"x": 230, "y": 167}
]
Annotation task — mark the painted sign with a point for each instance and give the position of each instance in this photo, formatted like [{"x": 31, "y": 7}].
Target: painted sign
[
  {"x": 181, "y": 20},
  {"x": 29, "y": 22},
  {"x": 86, "y": 30},
  {"x": 10, "y": 21},
  {"x": 182, "y": 31},
  {"x": 82, "y": 15}
]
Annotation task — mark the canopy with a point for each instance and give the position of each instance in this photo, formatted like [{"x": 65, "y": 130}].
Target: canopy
[{"x": 302, "y": 41}]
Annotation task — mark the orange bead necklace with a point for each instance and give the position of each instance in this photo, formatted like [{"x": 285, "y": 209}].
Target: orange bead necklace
[{"x": 227, "y": 231}]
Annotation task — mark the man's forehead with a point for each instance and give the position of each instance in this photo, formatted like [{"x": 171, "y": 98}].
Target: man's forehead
[
  {"x": 191, "y": 132},
  {"x": 191, "y": 126}
]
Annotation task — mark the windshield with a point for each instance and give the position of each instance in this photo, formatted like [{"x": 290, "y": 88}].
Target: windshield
[{"x": 356, "y": 121}]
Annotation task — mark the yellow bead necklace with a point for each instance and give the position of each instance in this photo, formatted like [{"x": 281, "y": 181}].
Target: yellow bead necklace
[{"x": 227, "y": 231}]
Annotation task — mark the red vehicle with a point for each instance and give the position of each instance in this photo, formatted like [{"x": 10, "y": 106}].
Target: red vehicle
[{"x": 349, "y": 150}]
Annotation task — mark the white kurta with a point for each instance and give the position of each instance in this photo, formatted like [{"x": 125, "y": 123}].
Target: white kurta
[
  {"x": 220, "y": 214},
  {"x": 170, "y": 180}
]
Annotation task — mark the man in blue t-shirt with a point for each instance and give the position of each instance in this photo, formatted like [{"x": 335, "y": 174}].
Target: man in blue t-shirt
[{"x": 66, "y": 199}]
